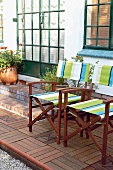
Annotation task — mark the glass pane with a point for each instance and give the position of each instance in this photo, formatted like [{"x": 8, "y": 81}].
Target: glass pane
[
  {"x": 36, "y": 53},
  {"x": 36, "y": 37},
  {"x": 44, "y": 37},
  {"x": 46, "y": 24},
  {"x": 20, "y": 37},
  {"x": 45, "y": 5},
  {"x": 20, "y": 6},
  {"x": 91, "y": 32},
  {"x": 54, "y": 38},
  {"x": 92, "y": 1},
  {"x": 104, "y": 16},
  {"x": 61, "y": 54},
  {"x": 28, "y": 37},
  {"x": 62, "y": 4},
  {"x": 35, "y": 5},
  {"x": 62, "y": 38},
  {"x": 103, "y": 32},
  {"x": 92, "y": 15},
  {"x": 44, "y": 54},
  {"x": 103, "y": 43},
  {"x": 90, "y": 42},
  {"x": 28, "y": 21},
  {"x": 62, "y": 20},
  {"x": 53, "y": 55},
  {"x": 20, "y": 23},
  {"x": 28, "y": 53},
  {"x": 53, "y": 5},
  {"x": 105, "y": 1},
  {"x": 27, "y": 5},
  {"x": 54, "y": 20},
  {"x": 36, "y": 21}
]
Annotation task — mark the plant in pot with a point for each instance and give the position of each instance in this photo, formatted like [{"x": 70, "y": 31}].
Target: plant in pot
[{"x": 10, "y": 62}]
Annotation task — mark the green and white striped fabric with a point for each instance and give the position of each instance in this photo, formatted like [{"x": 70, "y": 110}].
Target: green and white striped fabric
[
  {"x": 53, "y": 97},
  {"x": 94, "y": 106},
  {"x": 103, "y": 75}
]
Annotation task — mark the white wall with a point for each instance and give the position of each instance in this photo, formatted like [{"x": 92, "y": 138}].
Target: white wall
[
  {"x": 9, "y": 26},
  {"x": 74, "y": 27}
]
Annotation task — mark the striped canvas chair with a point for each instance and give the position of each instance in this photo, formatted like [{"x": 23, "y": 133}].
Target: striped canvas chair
[
  {"x": 99, "y": 112},
  {"x": 54, "y": 100}
]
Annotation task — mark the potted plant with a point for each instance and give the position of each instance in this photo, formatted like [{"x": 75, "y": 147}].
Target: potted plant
[{"x": 10, "y": 62}]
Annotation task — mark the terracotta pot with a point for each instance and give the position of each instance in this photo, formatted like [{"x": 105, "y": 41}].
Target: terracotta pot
[{"x": 9, "y": 75}]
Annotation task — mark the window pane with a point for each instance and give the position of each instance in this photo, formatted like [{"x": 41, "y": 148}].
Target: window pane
[
  {"x": 20, "y": 23},
  {"x": 62, "y": 4},
  {"x": 36, "y": 21},
  {"x": 54, "y": 38},
  {"x": 103, "y": 32},
  {"x": 54, "y": 20},
  {"x": 36, "y": 53},
  {"x": 104, "y": 16},
  {"x": 45, "y": 5},
  {"x": 62, "y": 20},
  {"x": 92, "y": 15},
  {"x": 44, "y": 54},
  {"x": 91, "y": 32},
  {"x": 53, "y": 5},
  {"x": 91, "y": 42},
  {"x": 28, "y": 21},
  {"x": 104, "y": 1},
  {"x": 27, "y": 5},
  {"x": 53, "y": 55},
  {"x": 36, "y": 37},
  {"x": 28, "y": 53},
  {"x": 28, "y": 37},
  {"x": 103, "y": 43},
  {"x": 45, "y": 37},
  {"x": 46, "y": 19},
  {"x": 92, "y": 2},
  {"x": 62, "y": 38},
  {"x": 35, "y": 5},
  {"x": 61, "y": 54}
]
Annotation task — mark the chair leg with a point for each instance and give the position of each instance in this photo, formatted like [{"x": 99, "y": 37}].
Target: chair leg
[
  {"x": 88, "y": 119},
  {"x": 30, "y": 113},
  {"x": 105, "y": 133},
  {"x": 104, "y": 145},
  {"x": 58, "y": 127},
  {"x": 65, "y": 127}
]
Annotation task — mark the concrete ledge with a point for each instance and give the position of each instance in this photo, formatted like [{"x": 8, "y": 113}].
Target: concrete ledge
[{"x": 27, "y": 78}]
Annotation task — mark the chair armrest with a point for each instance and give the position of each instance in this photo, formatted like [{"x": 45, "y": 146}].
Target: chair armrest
[
  {"x": 41, "y": 82},
  {"x": 76, "y": 89},
  {"x": 107, "y": 101},
  {"x": 30, "y": 84}
]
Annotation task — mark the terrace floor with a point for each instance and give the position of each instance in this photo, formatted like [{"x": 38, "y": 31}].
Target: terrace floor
[{"x": 40, "y": 145}]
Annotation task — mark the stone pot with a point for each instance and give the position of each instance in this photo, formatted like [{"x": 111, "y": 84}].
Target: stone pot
[{"x": 9, "y": 75}]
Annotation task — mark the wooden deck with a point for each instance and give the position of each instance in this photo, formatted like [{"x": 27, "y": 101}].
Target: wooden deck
[{"x": 81, "y": 153}]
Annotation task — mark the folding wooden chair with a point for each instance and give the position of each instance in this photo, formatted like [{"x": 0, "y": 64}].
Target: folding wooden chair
[
  {"x": 99, "y": 112},
  {"x": 55, "y": 99}
]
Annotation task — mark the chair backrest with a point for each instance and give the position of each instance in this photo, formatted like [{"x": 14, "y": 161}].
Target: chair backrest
[
  {"x": 77, "y": 71},
  {"x": 103, "y": 75},
  {"x": 60, "y": 68}
]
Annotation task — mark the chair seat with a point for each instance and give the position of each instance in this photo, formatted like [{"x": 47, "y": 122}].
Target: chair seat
[
  {"x": 54, "y": 97},
  {"x": 94, "y": 106}
]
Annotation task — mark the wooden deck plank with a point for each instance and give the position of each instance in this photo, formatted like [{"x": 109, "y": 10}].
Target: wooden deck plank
[{"x": 80, "y": 154}]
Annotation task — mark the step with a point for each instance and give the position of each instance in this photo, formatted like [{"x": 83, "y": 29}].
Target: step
[{"x": 15, "y": 98}]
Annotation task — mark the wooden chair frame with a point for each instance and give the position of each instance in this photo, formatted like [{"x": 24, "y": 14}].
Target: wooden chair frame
[{"x": 89, "y": 125}]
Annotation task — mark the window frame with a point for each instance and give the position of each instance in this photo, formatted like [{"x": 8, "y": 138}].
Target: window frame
[{"x": 110, "y": 39}]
